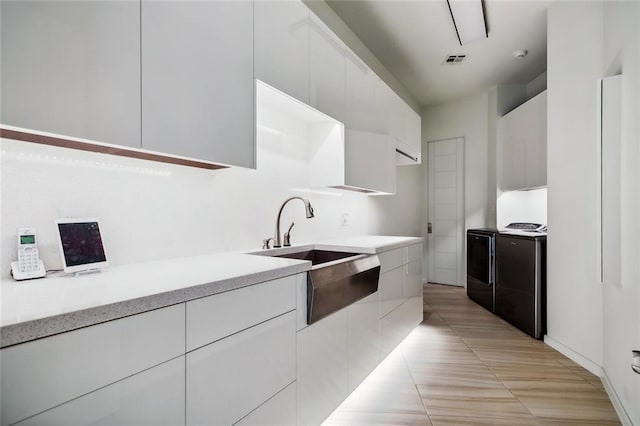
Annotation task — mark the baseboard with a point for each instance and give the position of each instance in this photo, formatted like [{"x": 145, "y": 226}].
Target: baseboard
[
  {"x": 574, "y": 356},
  {"x": 598, "y": 371},
  {"x": 615, "y": 401}
]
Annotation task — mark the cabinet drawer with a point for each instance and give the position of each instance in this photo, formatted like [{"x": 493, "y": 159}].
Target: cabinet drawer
[
  {"x": 153, "y": 397},
  {"x": 214, "y": 317},
  {"x": 390, "y": 260},
  {"x": 390, "y": 289},
  {"x": 228, "y": 379},
  {"x": 41, "y": 374},
  {"x": 413, "y": 252},
  {"x": 278, "y": 411},
  {"x": 412, "y": 283}
]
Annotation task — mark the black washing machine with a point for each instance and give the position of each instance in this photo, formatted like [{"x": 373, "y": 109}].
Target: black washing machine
[{"x": 481, "y": 269}]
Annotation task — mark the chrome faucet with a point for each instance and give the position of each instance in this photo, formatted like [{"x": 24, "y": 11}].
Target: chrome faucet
[{"x": 277, "y": 242}]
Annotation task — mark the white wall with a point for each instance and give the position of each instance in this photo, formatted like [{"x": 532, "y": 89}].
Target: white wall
[
  {"x": 400, "y": 214},
  {"x": 469, "y": 118},
  {"x": 536, "y": 86},
  {"x": 151, "y": 211},
  {"x": 522, "y": 206},
  {"x": 621, "y": 328},
  {"x": 574, "y": 65}
]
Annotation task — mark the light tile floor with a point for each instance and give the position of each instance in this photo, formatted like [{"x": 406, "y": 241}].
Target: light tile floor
[{"x": 465, "y": 366}]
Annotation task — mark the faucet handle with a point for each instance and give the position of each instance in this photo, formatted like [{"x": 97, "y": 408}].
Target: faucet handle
[
  {"x": 287, "y": 236},
  {"x": 266, "y": 242}
]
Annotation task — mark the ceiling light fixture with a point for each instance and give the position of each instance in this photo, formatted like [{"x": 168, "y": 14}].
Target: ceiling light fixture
[{"x": 468, "y": 20}]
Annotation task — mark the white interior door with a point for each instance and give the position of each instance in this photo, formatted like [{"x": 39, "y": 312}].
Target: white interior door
[{"x": 445, "y": 237}]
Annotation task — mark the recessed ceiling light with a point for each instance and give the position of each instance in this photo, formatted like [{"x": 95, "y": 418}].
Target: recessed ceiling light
[{"x": 520, "y": 54}]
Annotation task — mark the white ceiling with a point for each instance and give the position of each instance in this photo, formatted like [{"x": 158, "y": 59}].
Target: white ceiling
[{"x": 412, "y": 38}]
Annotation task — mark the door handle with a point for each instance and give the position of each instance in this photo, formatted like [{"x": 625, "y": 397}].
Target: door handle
[
  {"x": 635, "y": 362},
  {"x": 429, "y": 228}
]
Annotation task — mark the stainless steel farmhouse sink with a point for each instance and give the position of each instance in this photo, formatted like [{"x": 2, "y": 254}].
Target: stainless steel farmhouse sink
[{"x": 336, "y": 279}]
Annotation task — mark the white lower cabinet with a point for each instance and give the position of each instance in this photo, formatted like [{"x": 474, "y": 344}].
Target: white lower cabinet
[
  {"x": 401, "y": 306},
  {"x": 363, "y": 335},
  {"x": 390, "y": 260},
  {"x": 42, "y": 374},
  {"x": 278, "y": 411},
  {"x": 390, "y": 289},
  {"x": 152, "y": 397},
  {"x": 322, "y": 368},
  {"x": 412, "y": 282},
  {"x": 228, "y": 379},
  {"x": 398, "y": 323},
  {"x": 214, "y": 317}
]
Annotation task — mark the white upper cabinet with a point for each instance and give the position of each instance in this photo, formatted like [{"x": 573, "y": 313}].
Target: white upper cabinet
[
  {"x": 407, "y": 132},
  {"x": 197, "y": 80},
  {"x": 404, "y": 125},
  {"x": 370, "y": 161},
  {"x": 364, "y": 92},
  {"x": 522, "y": 150},
  {"x": 72, "y": 68},
  {"x": 369, "y": 150},
  {"x": 327, "y": 70},
  {"x": 282, "y": 46},
  {"x": 536, "y": 144},
  {"x": 413, "y": 124}
]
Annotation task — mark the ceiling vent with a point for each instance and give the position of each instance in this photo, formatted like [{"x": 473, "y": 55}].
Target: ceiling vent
[{"x": 454, "y": 59}]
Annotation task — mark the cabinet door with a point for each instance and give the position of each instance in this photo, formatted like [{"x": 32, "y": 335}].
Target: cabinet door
[
  {"x": 412, "y": 283},
  {"x": 327, "y": 70},
  {"x": 370, "y": 161},
  {"x": 363, "y": 335},
  {"x": 322, "y": 368},
  {"x": 152, "y": 397},
  {"x": 278, "y": 411},
  {"x": 413, "y": 133},
  {"x": 282, "y": 46},
  {"x": 197, "y": 80},
  {"x": 536, "y": 142},
  {"x": 399, "y": 323},
  {"x": 391, "y": 259},
  {"x": 72, "y": 68},
  {"x": 512, "y": 152},
  {"x": 228, "y": 379},
  {"x": 390, "y": 289},
  {"x": 361, "y": 96},
  {"x": 41, "y": 374}
]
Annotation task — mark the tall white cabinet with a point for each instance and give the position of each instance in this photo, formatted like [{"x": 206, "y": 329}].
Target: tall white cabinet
[
  {"x": 72, "y": 68},
  {"x": 197, "y": 80}
]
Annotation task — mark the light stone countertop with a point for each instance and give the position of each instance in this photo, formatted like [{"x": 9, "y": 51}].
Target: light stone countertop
[{"x": 39, "y": 308}]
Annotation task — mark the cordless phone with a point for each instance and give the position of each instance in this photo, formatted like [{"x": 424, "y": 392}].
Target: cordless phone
[{"x": 29, "y": 264}]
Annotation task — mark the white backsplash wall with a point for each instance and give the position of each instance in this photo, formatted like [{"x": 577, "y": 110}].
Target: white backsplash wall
[
  {"x": 522, "y": 206},
  {"x": 153, "y": 211}
]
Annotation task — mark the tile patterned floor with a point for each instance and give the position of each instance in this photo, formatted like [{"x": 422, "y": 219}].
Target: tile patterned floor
[{"x": 465, "y": 366}]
